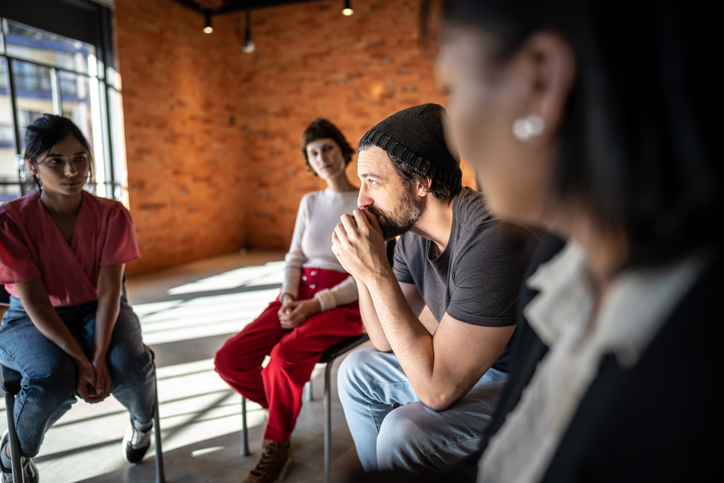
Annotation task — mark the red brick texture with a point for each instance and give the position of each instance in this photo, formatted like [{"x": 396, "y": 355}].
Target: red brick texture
[{"x": 212, "y": 134}]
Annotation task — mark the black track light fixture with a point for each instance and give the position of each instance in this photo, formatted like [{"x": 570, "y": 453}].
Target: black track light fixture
[
  {"x": 347, "y": 10},
  {"x": 248, "y": 47},
  {"x": 208, "y": 28}
]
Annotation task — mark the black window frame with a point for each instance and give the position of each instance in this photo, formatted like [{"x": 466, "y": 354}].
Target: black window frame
[{"x": 90, "y": 22}]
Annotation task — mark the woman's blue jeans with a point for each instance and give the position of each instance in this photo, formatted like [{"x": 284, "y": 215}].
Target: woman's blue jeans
[{"x": 48, "y": 387}]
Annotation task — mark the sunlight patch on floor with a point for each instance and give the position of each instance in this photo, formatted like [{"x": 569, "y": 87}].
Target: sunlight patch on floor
[{"x": 270, "y": 273}]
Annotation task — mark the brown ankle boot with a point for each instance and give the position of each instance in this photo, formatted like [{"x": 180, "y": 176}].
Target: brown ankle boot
[{"x": 275, "y": 460}]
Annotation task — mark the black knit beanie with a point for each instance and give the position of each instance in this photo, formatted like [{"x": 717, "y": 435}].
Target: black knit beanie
[{"x": 415, "y": 136}]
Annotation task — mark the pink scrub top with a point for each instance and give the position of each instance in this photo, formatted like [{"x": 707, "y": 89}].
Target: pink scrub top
[{"x": 32, "y": 246}]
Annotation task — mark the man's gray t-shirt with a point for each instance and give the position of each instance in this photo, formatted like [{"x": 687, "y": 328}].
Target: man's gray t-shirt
[{"x": 478, "y": 276}]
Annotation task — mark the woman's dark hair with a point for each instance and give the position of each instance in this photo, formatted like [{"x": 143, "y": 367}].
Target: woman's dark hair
[
  {"x": 47, "y": 131},
  {"x": 640, "y": 143},
  {"x": 320, "y": 129}
]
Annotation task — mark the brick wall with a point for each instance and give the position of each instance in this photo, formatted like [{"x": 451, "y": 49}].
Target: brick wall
[{"x": 212, "y": 134}]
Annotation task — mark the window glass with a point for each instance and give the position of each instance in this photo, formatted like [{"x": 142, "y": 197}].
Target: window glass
[
  {"x": 9, "y": 189},
  {"x": 80, "y": 101},
  {"x": 63, "y": 76},
  {"x": 37, "y": 45},
  {"x": 118, "y": 144},
  {"x": 76, "y": 101},
  {"x": 33, "y": 93}
]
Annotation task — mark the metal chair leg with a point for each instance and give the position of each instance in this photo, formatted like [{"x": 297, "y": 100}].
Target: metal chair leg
[
  {"x": 18, "y": 475},
  {"x": 327, "y": 422},
  {"x": 160, "y": 475},
  {"x": 308, "y": 396},
  {"x": 244, "y": 429}
]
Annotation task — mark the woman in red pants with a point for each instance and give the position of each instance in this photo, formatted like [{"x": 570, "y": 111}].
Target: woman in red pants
[{"x": 316, "y": 309}]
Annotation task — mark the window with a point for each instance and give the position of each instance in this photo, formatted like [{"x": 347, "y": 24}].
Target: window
[{"x": 68, "y": 73}]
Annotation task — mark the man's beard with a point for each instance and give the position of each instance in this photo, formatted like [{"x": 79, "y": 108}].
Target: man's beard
[{"x": 400, "y": 218}]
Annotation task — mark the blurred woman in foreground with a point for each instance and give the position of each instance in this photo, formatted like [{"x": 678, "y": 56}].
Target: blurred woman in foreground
[{"x": 601, "y": 120}]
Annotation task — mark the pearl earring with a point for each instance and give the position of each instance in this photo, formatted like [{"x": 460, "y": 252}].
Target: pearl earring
[{"x": 525, "y": 128}]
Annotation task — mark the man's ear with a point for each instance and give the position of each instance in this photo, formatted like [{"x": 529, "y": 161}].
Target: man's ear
[{"x": 424, "y": 186}]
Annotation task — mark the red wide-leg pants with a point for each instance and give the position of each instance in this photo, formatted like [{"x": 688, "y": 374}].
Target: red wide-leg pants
[{"x": 293, "y": 353}]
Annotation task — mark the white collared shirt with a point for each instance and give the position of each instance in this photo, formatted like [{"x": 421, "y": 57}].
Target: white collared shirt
[{"x": 636, "y": 306}]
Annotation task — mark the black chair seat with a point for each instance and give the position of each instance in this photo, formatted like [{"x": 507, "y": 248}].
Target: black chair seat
[
  {"x": 342, "y": 347},
  {"x": 10, "y": 381}
]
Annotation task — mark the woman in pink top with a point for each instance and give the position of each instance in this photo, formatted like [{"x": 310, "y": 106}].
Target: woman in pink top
[{"x": 69, "y": 330}]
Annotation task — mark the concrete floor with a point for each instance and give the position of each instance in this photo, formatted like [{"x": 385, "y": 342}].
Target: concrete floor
[{"x": 187, "y": 313}]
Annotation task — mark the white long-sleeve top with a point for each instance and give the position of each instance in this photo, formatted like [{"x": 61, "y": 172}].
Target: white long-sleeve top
[{"x": 318, "y": 215}]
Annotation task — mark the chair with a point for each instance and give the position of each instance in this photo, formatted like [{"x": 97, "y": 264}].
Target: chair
[
  {"x": 10, "y": 381},
  {"x": 327, "y": 358},
  {"x": 11, "y": 386}
]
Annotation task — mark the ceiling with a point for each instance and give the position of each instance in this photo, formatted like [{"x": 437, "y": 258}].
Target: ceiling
[{"x": 220, "y": 7}]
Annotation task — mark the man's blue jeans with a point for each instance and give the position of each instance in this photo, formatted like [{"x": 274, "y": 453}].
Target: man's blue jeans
[
  {"x": 412, "y": 437},
  {"x": 48, "y": 387}
]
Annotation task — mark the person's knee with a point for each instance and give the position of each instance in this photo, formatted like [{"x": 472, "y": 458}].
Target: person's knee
[
  {"x": 222, "y": 360},
  {"x": 230, "y": 363},
  {"x": 415, "y": 438},
  {"x": 126, "y": 359},
  {"x": 56, "y": 381},
  {"x": 397, "y": 443}
]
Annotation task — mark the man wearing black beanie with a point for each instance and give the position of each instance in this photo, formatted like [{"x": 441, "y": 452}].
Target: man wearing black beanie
[{"x": 451, "y": 256}]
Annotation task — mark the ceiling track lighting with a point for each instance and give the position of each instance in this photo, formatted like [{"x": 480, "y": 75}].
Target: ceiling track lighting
[
  {"x": 347, "y": 10},
  {"x": 208, "y": 28},
  {"x": 248, "y": 46}
]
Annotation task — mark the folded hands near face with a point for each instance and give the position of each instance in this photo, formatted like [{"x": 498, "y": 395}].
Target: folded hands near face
[{"x": 358, "y": 244}]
